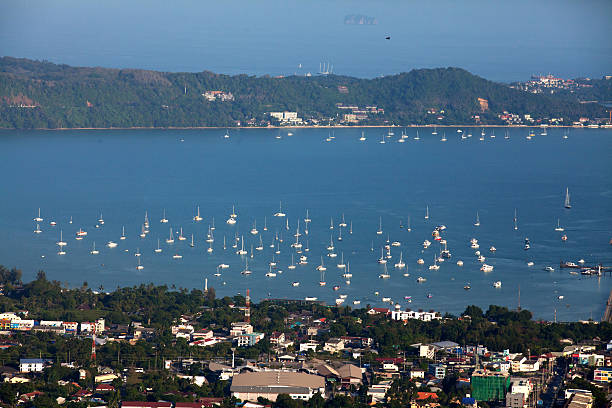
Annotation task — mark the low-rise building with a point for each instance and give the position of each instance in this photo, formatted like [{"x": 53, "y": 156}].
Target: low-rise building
[
  {"x": 249, "y": 339},
  {"x": 250, "y": 386},
  {"x": 31, "y": 365},
  {"x": 437, "y": 370},
  {"x": 603, "y": 374},
  {"x": 334, "y": 345},
  {"x": 311, "y": 345},
  {"x": 239, "y": 328},
  {"x": 379, "y": 391}
]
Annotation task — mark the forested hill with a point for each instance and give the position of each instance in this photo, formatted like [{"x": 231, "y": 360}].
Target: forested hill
[{"x": 36, "y": 94}]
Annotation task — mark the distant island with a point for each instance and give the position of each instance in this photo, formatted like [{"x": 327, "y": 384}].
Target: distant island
[
  {"x": 359, "y": 19},
  {"x": 40, "y": 94}
]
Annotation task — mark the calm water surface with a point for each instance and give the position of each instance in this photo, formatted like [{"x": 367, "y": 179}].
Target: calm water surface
[{"x": 122, "y": 174}]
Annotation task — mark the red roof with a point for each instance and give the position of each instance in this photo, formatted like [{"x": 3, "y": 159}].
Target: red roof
[
  {"x": 147, "y": 404},
  {"x": 381, "y": 310},
  {"x": 426, "y": 395},
  {"x": 105, "y": 387},
  {"x": 188, "y": 405}
]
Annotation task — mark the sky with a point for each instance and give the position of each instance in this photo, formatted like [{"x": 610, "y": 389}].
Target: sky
[{"x": 500, "y": 40}]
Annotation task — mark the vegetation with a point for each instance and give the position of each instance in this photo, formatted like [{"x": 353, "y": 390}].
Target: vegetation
[{"x": 36, "y": 94}]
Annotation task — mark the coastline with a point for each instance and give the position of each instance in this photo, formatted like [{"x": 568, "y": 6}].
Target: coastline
[{"x": 317, "y": 127}]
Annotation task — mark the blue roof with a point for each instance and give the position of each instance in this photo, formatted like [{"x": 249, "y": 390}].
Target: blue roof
[
  {"x": 31, "y": 361},
  {"x": 468, "y": 401}
]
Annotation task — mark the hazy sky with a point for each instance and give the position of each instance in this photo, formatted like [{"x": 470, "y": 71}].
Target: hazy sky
[{"x": 500, "y": 40}]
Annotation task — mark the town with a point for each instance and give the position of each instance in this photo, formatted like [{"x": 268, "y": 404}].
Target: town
[{"x": 229, "y": 352}]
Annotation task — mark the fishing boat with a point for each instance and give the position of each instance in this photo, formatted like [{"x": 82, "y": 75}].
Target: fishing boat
[
  {"x": 295, "y": 284},
  {"x": 197, "y": 217},
  {"x": 492, "y": 249},
  {"x": 280, "y": 212},
  {"x": 467, "y": 287},
  {"x": 549, "y": 269},
  {"x": 421, "y": 279},
  {"x": 497, "y": 284},
  {"x": 567, "y": 199}
]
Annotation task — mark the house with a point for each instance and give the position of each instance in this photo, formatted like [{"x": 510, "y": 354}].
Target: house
[
  {"x": 311, "y": 345},
  {"x": 334, "y": 345},
  {"x": 204, "y": 334},
  {"x": 29, "y": 396},
  {"x": 206, "y": 342},
  {"x": 378, "y": 310},
  {"x": 145, "y": 404},
  {"x": 250, "y": 339},
  {"x": 379, "y": 391},
  {"x": 240, "y": 328},
  {"x": 31, "y": 365},
  {"x": 422, "y": 396},
  {"x": 427, "y": 351},
  {"x": 277, "y": 338},
  {"x": 268, "y": 384},
  {"x": 350, "y": 375},
  {"x": 437, "y": 370},
  {"x": 416, "y": 373},
  {"x": 357, "y": 341},
  {"x": 418, "y": 315},
  {"x": 105, "y": 388}
]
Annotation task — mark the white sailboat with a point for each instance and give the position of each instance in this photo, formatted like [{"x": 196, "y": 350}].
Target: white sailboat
[
  {"x": 254, "y": 230},
  {"x": 401, "y": 263},
  {"x": 477, "y": 223},
  {"x": 427, "y": 212},
  {"x": 362, "y": 138},
  {"x": 226, "y": 135},
  {"x": 385, "y": 274},
  {"x": 181, "y": 237},
  {"x": 443, "y": 137},
  {"x": 242, "y": 251},
  {"x": 341, "y": 265},
  {"x": 38, "y": 218},
  {"x": 61, "y": 251},
  {"x": 122, "y": 233},
  {"x": 37, "y": 230},
  {"x": 280, "y": 212},
  {"x": 192, "y": 244},
  {"x": 139, "y": 267},
  {"x": 197, "y": 217},
  {"x": 259, "y": 247},
  {"x": 101, "y": 219},
  {"x": 379, "y": 231},
  {"x": 515, "y": 220},
  {"x": 292, "y": 266},
  {"x": 94, "y": 251},
  {"x": 232, "y": 218},
  {"x": 408, "y": 225},
  {"x": 164, "y": 220},
  {"x": 170, "y": 239},
  {"x": 61, "y": 242},
  {"x": 417, "y": 135},
  {"x": 567, "y": 199},
  {"x": 158, "y": 249},
  {"x": 559, "y": 227}
]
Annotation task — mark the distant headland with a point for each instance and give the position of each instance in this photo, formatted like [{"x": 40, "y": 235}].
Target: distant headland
[{"x": 40, "y": 94}]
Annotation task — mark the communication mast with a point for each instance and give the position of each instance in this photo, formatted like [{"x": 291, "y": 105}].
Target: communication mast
[{"x": 93, "y": 344}]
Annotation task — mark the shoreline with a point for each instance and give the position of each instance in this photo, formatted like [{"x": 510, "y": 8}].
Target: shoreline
[{"x": 315, "y": 127}]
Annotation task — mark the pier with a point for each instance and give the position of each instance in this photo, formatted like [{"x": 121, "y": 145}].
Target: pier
[{"x": 607, "y": 317}]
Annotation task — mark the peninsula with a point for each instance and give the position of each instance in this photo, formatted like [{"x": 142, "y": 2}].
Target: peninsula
[{"x": 39, "y": 94}]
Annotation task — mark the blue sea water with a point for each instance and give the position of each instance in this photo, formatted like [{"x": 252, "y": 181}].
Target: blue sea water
[
  {"x": 123, "y": 173},
  {"x": 501, "y": 41}
]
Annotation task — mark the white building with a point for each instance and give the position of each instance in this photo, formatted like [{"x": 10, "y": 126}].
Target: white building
[
  {"x": 240, "y": 328},
  {"x": 31, "y": 365},
  {"x": 268, "y": 384},
  {"x": 311, "y": 345},
  {"x": 413, "y": 314}
]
